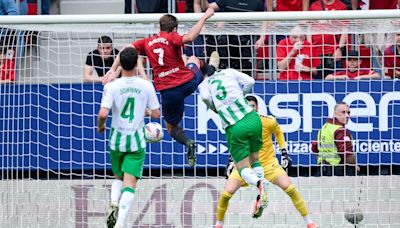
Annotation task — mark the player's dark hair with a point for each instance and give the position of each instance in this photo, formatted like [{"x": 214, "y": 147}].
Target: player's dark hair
[
  {"x": 128, "y": 58},
  {"x": 104, "y": 40},
  {"x": 252, "y": 98},
  {"x": 168, "y": 22}
]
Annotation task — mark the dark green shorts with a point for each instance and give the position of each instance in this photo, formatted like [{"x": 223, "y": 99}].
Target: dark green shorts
[
  {"x": 127, "y": 162},
  {"x": 244, "y": 137}
]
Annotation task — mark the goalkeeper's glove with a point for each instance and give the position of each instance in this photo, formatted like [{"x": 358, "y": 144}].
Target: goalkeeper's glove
[
  {"x": 286, "y": 161},
  {"x": 229, "y": 167}
]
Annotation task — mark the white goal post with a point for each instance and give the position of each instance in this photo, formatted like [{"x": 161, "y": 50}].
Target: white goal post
[{"x": 55, "y": 169}]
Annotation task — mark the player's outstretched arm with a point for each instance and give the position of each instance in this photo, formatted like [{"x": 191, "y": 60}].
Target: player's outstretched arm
[
  {"x": 88, "y": 75},
  {"x": 336, "y": 77},
  {"x": 206, "y": 96},
  {"x": 155, "y": 113},
  {"x": 6, "y": 81},
  {"x": 112, "y": 73},
  {"x": 102, "y": 118},
  {"x": 195, "y": 31},
  {"x": 246, "y": 81},
  {"x": 279, "y": 136},
  {"x": 140, "y": 69}
]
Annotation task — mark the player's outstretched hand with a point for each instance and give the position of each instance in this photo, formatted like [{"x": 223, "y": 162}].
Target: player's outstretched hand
[
  {"x": 298, "y": 45},
  {"x": 260, "y": 42},
  {"x": 209, "y": 13},
  {"x": 286, "y": 161},
  {"x": 101, "y": 129},
  {"x": 110, "y": 76}
]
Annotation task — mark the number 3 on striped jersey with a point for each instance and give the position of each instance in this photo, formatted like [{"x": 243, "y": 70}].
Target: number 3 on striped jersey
[
  {"x": 160, "y": 53},
  {"x": 220, "y": 88}
]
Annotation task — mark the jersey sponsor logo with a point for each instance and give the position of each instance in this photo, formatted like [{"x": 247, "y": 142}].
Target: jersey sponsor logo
[{"x": 166, "y": 73}]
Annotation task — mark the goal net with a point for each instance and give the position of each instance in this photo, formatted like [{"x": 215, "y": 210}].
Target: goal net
[{"x": 55, "y": 169}]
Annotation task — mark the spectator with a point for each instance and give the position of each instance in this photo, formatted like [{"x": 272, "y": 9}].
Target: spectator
[
  {"x": 45, "y": 6},
  {"x": 145, "y": 6},
  {"x": 100, "y": 59},
  {"x": 379, "y": 41},
  {"x": 392, "y": 59},
  {"x": 379, "y": 4},
  {"x": 297, "y": 59},
  {"x": 239, "y": 48},
  {"x": 352, "y": 4},
  {"x": 8, "y": 7},
  {"x": 45, "y": 9},
  {"x": 202, "y": 5},
  {"x": 334, "y": 145},
  {"x": 7, "y": 66},
  {"x": 23, "y": 7},
  {"x": 288, "y": 5},
  {"x": 328, "y": 46},
  {"x": 189, "y": 6},
  {"x": 353, "y": 71}
]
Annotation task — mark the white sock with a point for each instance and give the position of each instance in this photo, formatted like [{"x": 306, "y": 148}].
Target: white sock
[
  {"x": 124, "y": 205},
  {"x": 249, "y": 176},
  {"x": 307, "y": 219},
  {"x": 116, "y": 188},
  {"x": 259, "y": 170}
]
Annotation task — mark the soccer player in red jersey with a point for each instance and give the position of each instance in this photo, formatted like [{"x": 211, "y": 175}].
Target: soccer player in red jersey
[{"x": 172, "y": 78}]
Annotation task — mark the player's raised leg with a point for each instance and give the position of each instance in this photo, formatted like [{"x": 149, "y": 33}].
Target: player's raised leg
[
  {"x": 245, "y": 140},
  {"x": 173, "y": 103},
  {"x": 262, "y": 198}
]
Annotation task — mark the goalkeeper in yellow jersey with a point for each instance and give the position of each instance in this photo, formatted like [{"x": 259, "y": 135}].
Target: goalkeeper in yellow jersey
[{"x": 273, "y": 172}]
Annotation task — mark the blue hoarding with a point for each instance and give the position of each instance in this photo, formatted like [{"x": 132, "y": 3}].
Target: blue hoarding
[{"x": 54, "y": 126}]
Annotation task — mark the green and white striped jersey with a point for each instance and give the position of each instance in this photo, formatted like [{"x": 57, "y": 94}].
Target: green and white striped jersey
[
  {"x": 128, "y": 97},
  {"x": 224, "y": 91}
]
